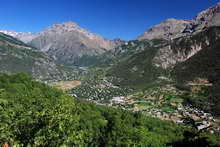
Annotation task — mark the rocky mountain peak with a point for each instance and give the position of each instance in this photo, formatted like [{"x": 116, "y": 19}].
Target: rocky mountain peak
[
  {"x": 173, "y": 28},
  {"x": 67, "y": 42},
  {"x": 70, "y": 23},
  {"x": 62, "y": 27},
  {"x": 209, "y": 17},
  {"x": 208, "y": 12},
  {"x": 167, "y": 29}
]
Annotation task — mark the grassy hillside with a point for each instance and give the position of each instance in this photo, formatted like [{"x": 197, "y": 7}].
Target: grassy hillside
[{"x": 33, "y": 114}]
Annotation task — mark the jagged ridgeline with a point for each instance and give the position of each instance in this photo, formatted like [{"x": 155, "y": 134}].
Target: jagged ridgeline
[
  {"x": 16, "y": 56},
  {"x": 34, "y": 114}
]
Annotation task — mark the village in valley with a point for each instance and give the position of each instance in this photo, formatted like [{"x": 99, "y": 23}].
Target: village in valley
[{"x": 163, "y": 102}]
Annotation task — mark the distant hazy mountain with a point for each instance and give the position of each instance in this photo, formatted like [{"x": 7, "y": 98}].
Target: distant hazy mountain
[{"x": 23, "y": 36}]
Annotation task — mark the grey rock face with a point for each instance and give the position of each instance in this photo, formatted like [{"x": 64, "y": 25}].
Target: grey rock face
[
  {"x": 181, "y": 49},
  {"x": 185, "y": 38},
  {"x": 209, "y": 17},
  {"x": 173, "y": 28},
  {"x": 67, "y": 41}
]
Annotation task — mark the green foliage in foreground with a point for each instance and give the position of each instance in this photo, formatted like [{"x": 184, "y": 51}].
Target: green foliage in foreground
[{"x": 34, "y": 114}]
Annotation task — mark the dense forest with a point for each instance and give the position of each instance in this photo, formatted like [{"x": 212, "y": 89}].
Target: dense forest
[{"x": 34, "y": 114}]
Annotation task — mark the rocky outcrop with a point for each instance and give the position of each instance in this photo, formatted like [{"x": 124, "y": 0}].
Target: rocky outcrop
[
  {"x": 185, "y": 38},
  {"x": 173, "y": 28},
  {"x": 209, "y": 17},
  {"x": 181, "y": 49},
  {"x": 169, "y": 29}
]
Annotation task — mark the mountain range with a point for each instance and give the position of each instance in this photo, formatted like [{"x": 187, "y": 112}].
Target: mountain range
[
  {"x": 171, "y": 72},
  {"x": 66, "y": 42},
  {"x": 167, "y": 48}
]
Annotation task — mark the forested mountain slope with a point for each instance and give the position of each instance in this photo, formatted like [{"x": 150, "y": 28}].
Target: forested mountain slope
[{"x": 16, "y": 56}]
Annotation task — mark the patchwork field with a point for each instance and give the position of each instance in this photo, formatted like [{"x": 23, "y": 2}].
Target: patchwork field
[{"x": 66, "y": 85}]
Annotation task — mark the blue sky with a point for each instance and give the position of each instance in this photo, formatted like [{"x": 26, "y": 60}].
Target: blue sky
[{"x": 110, "y": 18}]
